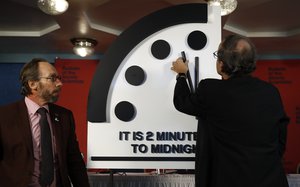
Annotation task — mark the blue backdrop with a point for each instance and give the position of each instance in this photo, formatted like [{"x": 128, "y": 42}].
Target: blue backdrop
[{"x": 9, "y": 84}]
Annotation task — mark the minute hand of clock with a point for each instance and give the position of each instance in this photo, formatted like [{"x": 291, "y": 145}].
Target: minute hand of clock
[{"x": 188, "y": 73}]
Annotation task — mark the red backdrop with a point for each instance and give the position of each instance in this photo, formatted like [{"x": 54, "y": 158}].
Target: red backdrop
[
  {"x": 284, "y": 74},
  {"x": 76, "y": 77}
]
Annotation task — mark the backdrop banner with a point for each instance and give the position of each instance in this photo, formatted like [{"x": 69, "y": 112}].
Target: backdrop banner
[
  {"x": 76, "y": 78},
  {"x": 284, "y": 74}
]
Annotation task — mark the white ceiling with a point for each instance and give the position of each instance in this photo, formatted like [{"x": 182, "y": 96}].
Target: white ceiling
[{"x": 273, "y": 25}]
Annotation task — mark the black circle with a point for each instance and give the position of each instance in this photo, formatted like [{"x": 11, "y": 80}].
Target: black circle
[
  {"x": 135, "y": 75},
  {"x": 160, "y": 49},
  {"x": 125, "y": 111},
  {"x": 197, "y": 40}
]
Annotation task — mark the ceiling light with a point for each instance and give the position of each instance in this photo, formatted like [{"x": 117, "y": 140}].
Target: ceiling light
[
  {"x": 53, "y": 7},
  {"x": 227, "y": 6},
  {"x": 83, "y": 46}
]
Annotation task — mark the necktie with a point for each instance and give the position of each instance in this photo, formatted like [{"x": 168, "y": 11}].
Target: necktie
[{"x": 46, "y": 165}]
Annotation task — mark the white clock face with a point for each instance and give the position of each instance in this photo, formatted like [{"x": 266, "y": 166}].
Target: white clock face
[{"x": 137, "y": 126}]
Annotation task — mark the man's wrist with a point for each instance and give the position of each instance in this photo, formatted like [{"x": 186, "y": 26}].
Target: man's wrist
[{"x": 179, "y": 75}]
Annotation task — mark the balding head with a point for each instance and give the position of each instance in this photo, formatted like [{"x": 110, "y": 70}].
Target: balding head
[
  {"x": 238, "y": 55},
  {"x": 242, "y": 45}
]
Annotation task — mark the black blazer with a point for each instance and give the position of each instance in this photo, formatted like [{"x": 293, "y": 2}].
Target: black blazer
[
  {"x": 241, "y": 132},
  {"x": 16, "y": 149}
]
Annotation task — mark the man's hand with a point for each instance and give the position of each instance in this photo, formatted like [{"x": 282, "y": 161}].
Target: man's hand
[{"x": 179, "y": 66}]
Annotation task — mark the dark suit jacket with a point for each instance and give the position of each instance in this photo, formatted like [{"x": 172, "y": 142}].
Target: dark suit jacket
[
  {"x": 241, "y": 133},
  {"x": 16, "y": 149}
]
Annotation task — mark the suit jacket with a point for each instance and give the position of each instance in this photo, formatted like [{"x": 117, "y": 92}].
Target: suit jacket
[
  {"x": 16, "y": 149},
  {"x": 241, "y": 133}
]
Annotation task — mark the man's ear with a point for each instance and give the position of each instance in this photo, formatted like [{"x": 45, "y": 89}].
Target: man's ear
[
  {"x": 33, "y": 85},
  {"x": 222, "y": 73},
  {"x": 221, "y": 61},
  {"x": 221, "y": 64}
]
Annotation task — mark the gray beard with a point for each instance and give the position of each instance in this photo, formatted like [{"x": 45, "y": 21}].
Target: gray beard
[{"x": 48, "y": 97}]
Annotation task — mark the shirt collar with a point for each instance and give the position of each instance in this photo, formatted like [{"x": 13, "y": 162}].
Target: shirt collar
[{"x": 32, "y": 106}]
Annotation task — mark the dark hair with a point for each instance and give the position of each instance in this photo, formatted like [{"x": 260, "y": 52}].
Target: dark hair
[
  {"x": 29, "y": 72},
  {"x": 237, "y": 61}
]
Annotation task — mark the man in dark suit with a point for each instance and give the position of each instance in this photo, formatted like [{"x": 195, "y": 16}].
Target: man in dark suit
[
  {"x": 242, "y": 133},
  {"x": 20, "y": 134}
]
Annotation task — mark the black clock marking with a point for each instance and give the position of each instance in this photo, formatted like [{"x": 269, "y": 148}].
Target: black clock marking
[
  {"x": 125, "y": 111},
  {"x": 160, "y": 49},
  {"x": 135, "y": 75},
  {"x": 197, "y": 40}
]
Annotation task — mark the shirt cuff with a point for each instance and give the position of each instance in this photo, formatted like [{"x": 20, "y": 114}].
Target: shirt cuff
[{"x": 179, "y": 75}]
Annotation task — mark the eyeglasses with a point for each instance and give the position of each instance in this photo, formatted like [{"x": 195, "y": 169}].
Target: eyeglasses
[
  {"x": 52, "y": 78},
  {"x": 216, "y": 54}
]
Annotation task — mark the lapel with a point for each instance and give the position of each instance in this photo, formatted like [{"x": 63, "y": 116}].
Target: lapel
[{"x": 24, "y": 124}]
